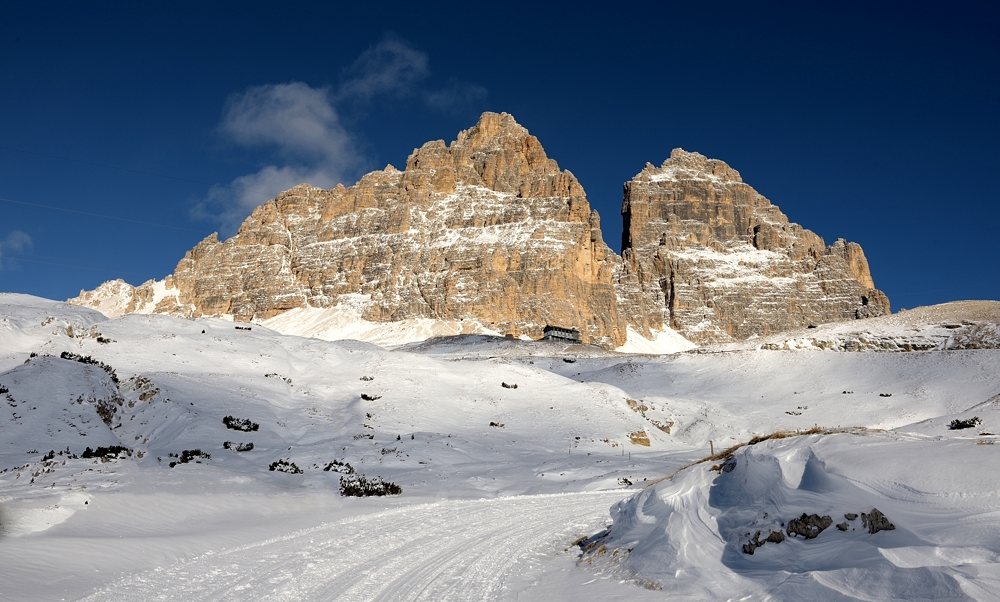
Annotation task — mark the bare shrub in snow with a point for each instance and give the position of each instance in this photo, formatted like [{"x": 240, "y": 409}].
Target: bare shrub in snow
[
  {"x": 285, "y": 466},
  {"x": 339, "y": 466},
  {"x": 360, "y": 486},
  {"x": 957, "y": 424},
  {"x": 240, "y": 424}
]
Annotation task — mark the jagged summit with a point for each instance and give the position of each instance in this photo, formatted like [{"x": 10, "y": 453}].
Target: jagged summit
[
  {"x": 712, "y": 258},
  {"x": 486, "y": 229},
  {"x": 489, "y": 235}
]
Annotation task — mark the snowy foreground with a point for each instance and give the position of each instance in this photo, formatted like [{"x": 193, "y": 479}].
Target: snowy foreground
[{"x": 537, "y": 492}]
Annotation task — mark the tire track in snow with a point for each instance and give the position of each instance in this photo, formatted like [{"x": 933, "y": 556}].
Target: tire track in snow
[{"x": 450, "y": 550}]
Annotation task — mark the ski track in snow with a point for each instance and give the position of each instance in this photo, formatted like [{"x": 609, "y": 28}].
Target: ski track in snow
[{"x": 449, "y": 550}]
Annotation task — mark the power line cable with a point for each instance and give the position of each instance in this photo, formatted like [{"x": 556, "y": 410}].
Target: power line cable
[
  {"x": 121, "y": 219},
  {"x": 138, "y": 171}
]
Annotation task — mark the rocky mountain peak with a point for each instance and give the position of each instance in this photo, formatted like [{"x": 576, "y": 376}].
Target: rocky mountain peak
[
  {"x": 718, "y": 261},
  {"x": 487, "y": 230}
]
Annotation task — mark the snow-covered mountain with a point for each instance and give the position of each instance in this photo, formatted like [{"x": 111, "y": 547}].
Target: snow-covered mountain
[
  {"x": 487, "y": 234},
  {"x": 507, "y": 452}
]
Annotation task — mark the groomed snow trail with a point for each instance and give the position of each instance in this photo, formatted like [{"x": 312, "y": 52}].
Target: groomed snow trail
[{"x": 450, "y": 550}]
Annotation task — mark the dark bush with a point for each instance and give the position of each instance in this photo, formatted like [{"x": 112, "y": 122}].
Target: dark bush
[
  {"x": 359, "y": 486},
  {"x": 189, "y": 454},
  {"x": 113, "y": 452},
  {"x": 50, "y": 455},
  {"x": 240, "y": 447},
  {"x": 86, "y": 359},
  {"x": 368, "y": 397},
  {"x": 964, "y": 424},
  {"x": 240, "y": 424},
  {"x": 498, "y": 425},
  {"x": 285, "y": 466},
  {"x": 338, "y": 466},
  {"x": 506, "y": 386}
]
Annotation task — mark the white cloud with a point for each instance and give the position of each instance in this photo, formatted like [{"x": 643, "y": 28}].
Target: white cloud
[
  {"x": 300, "y": 124},
  {"x": 15, "y": 242},
  {"x": 232, "y": 203},
  {"x": 295, "y": 118}
]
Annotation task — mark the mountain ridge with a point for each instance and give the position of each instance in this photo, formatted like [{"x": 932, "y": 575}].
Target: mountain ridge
[{"x": 489, "y": 233}]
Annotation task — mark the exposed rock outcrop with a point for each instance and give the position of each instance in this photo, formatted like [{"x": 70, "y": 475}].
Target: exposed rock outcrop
[
  {"x": 488, "y": 229},
  {"x": 706, "y": 255}
]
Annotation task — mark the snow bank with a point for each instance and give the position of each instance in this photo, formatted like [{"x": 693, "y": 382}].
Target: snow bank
[
  {"x": 663, "y": 341},
  {"x": 733, "y": 529}
]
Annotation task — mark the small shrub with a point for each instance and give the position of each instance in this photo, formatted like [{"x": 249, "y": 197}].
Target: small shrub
[
  {"x": 368, "y": 397},
  {"x": 510, "y": 386},
  {"x": 498, "y": 425},
  {"x": 363, "y": 436},
  {"x": 189, "y": 454},
  {"x": 49, "y": 456},
  {"x": 244, "y": 328},
  {"x": 240, "y": 424},
  {"x": 385, "y": 451},
  {"x": 359, "y": 486},
  {"x": 279, "y": 377},
  {"x": 86, "y": 359},
  {"x": 338, "y": 466},
  {"x": 240, "y": 447},
  {"x": 367, "y": 378},
  {"x": 284, "y": 466},
  {"x": 113, "y": 452},
  {"x": 964, "y": 424}
]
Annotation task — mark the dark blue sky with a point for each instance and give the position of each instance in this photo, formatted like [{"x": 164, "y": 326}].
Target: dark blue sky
[{"x": 875, "y": 124}]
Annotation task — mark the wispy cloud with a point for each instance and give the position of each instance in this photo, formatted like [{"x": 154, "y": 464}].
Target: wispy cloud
[
  {"x": 300, "y": 124},
  {"x": 455, "y": 95},
  {"x": 15, "y": 242},
  {"x": 389, "y": 67}
]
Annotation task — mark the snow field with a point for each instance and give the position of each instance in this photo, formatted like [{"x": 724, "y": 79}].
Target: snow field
[{"x": 577, "y": 424}]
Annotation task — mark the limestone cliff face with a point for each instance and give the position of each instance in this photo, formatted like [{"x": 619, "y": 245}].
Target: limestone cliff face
[
  {"x": 487, "y": 227},
  {"x": 707, "y": 255}
]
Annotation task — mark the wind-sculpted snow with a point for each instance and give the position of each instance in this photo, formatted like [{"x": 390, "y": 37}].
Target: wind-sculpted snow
[{"x": 688, "y": 536}]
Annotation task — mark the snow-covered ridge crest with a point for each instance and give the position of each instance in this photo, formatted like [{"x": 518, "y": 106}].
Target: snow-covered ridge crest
[{"x": 954, "y": 325}]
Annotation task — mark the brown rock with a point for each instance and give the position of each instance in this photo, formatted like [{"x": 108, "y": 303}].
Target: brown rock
[
  {"x": 707, "y": 255},
  {"x": 488, "y": 228}
]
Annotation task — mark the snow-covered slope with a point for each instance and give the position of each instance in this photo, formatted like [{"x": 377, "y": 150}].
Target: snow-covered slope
[
  {"x": 955, "y": 325},
  {"x": 862, "y": 516},
  {"x": 449, "y": 419}
]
